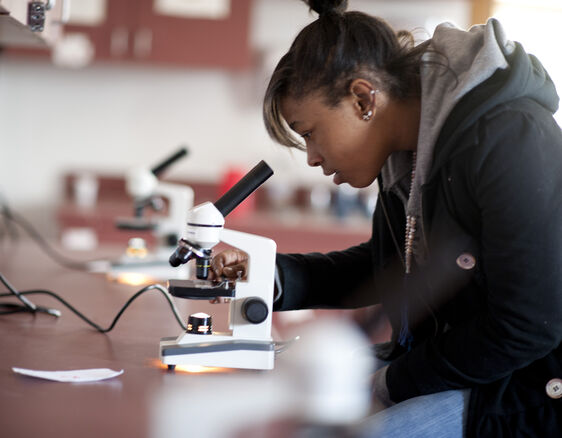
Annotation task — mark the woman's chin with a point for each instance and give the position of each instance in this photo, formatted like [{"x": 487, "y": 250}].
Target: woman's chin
[{"x": 357, "y": 183}]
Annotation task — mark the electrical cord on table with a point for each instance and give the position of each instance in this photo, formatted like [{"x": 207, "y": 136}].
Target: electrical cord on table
[
  {"x": 281, "y": 346},
  {"x": 18, "y": 219},
  {"x": 30, "y": 307},
  {"x": 7, "y": 219},
  {"x": 27, "y": 306}
]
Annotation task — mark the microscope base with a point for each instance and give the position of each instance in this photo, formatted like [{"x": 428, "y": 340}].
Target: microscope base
[{"x": 239, "y": 353}]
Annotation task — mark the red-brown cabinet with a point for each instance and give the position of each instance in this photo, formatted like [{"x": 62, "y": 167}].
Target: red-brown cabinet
[{"x": 140, "y": 31}]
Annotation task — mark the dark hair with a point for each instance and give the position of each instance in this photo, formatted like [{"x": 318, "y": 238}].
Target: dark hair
[{"x": 332, "y": 51}]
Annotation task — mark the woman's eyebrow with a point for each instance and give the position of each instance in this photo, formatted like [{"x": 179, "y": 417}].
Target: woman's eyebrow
[{"x": 292, "y": 124}]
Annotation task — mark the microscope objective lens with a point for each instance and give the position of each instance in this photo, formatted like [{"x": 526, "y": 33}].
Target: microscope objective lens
[{"x": 202, "y": 266}]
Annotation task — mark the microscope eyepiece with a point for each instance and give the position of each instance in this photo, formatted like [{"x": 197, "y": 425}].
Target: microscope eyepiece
[
  {"x": 243, "y": 188},
  {"x": 161, "y": 167}
]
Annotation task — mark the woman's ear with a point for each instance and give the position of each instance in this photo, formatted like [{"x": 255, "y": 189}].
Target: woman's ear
[{"x": 364, "y": 95}]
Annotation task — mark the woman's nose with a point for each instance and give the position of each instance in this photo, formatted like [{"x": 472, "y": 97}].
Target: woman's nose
[{"x": 312, "y": 157}]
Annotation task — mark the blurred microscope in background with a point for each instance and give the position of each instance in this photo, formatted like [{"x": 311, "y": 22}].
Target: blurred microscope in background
[{"x": 139, "y": 264}]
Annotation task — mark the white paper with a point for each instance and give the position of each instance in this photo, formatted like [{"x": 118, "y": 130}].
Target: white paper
[{"x": 89, "y": 375}]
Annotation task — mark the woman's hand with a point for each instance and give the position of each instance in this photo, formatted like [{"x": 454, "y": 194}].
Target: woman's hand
[{"x": 231, "y": 263}]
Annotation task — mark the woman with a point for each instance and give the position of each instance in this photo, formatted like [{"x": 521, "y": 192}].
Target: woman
[{"x": 466, "y": 246}]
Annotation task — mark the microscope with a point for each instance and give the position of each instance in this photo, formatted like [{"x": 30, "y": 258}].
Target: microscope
[
  {"x": 248, "y": 344},
  {"x": 148, "y": 192}
]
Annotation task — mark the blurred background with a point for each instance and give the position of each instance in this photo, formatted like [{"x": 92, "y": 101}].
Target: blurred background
[{"x": 112, "y": 84}]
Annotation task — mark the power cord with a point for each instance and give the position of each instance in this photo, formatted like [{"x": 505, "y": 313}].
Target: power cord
[
  {"x": 28, "y": 306},
  {"x": 7, "y": 220},
  {"x": 11, "y": 215},
  {"x": 281, "y": 346}
]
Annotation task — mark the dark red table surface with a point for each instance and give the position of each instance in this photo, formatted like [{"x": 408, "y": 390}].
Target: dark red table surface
[{"x": 114, "y": 407}]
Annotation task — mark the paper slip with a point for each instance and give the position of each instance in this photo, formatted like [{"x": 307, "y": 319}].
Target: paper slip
[{"x": 90, "y": 375}]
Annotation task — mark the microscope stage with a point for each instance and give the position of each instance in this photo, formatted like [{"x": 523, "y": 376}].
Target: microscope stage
[{"x": 201, "y": 289}]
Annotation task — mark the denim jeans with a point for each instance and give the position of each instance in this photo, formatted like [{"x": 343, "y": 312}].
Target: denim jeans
[{"x": 439, "y": 415}]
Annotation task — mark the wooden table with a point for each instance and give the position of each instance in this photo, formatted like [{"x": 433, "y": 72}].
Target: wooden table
[{"x": 116, "y": 407}]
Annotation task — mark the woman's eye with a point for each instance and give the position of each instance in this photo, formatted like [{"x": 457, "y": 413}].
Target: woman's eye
[{"x": 306, "y": 135}]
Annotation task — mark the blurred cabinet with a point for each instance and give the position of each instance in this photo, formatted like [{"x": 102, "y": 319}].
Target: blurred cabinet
[
  {"x": 36, "y": 24},
  {"x": 295, "y": 229},
  {"x": 195, "y": 33}
]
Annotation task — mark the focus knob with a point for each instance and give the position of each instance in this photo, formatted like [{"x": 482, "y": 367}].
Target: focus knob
[{"x": 255, "y": 310}]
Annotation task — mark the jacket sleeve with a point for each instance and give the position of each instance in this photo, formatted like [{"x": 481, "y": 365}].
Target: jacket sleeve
[
  {"x": 515, "y": 177},
  {"x": 355, "y": 277},
  {"x": 323, "y": 280}
]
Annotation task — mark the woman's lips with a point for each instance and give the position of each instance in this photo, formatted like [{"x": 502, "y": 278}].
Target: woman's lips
[{"x": 338, "y": 179}]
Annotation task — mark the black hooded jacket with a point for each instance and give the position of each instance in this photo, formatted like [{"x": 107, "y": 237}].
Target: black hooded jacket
[{"x": 486, "y": 309}]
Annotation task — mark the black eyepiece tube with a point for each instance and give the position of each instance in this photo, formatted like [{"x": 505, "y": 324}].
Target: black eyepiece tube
[
  {"x": 244, "y": 188},
  {"x": 158, "y": 169}
]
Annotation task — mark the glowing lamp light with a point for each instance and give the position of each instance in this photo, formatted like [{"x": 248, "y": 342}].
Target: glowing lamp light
[
  {"x": 191, "y": 369},
  {"x": 133, "y": 278}
]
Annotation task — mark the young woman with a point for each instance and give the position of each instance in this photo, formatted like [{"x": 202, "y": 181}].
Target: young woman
[{"x": 466, "y": 246}]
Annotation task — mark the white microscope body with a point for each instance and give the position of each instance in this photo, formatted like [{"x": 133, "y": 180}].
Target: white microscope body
[
  {"x": 142, "y": 184},
  {"x": 249, "y": 343}
]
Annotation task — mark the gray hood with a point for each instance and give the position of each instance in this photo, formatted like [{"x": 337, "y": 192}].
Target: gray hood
[{"x": 472, "y": 57}]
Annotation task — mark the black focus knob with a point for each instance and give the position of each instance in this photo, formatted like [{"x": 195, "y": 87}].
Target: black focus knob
[{"x": 255, "y": 310}]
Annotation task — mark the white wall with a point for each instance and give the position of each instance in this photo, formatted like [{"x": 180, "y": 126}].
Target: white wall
[{"x": 111, "y": 117}]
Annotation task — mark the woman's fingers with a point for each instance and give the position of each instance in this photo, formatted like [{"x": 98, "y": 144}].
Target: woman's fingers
[
  {"x": 229, "y": 263},
  {"x": 235, "y": 271}
]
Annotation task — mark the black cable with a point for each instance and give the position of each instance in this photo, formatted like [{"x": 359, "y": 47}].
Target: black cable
[
  {"x": 81, "y": 315},
  {"x": 16, "y": 308},
  {"x": 49, "y": 250},
  {"x": 20, "y": 308},
  {"x": 7, "y": 219},
  {"x": 13, "y": 291}
]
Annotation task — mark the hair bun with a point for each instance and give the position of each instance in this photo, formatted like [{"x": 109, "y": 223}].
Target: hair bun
[{"x": 323, "y": 7}]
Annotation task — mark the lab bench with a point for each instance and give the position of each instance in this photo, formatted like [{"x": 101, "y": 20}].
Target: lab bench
[{"x": 129, "y": 405}]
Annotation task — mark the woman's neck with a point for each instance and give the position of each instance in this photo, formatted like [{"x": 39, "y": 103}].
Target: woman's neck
[{"x": 404, "y": 120}]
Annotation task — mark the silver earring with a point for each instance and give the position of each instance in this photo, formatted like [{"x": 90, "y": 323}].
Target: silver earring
[{"x": 367, "y": 116}]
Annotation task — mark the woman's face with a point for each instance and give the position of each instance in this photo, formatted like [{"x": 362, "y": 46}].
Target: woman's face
[{"x": 338, "y": 139}]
